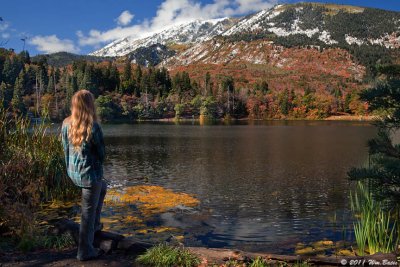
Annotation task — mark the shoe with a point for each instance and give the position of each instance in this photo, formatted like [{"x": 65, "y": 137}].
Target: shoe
[
  {"x": 98, "y": 227},
  {"x": 97, "y": 253}
]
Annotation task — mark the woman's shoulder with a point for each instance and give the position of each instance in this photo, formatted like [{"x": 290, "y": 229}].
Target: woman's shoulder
[{"x": 66, "y": 121}]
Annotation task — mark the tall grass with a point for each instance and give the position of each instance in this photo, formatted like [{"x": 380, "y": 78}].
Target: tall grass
[
  {"x": 375, "y": 228},
  {"x": 32, "y": 170}
]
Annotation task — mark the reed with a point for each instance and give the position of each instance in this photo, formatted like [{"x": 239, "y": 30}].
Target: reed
[
  {"x": 32, "y": 171},
  {"x": 375, "y": 228}
]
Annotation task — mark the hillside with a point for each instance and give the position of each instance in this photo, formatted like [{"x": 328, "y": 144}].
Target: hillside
[
  {"x": 62, "y": 59},
  {"x": 291, "y": 68}
]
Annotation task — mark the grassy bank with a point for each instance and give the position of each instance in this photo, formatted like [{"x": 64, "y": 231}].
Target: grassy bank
[
  {"x": 164, "y": 255},
  {"x": 32, "y": 171}
]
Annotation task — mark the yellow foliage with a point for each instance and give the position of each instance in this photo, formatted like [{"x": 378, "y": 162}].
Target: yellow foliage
[
  {"x": 345, "y": 252},
  {"x": 323, "y": 243},
  {"x": 316, "y": 247},
  {"x": 306, "y": 250},
  {"x": 150, "y": 199},
  {"x": 157, "y": 230},
  {"x": 132, "y": 219}
]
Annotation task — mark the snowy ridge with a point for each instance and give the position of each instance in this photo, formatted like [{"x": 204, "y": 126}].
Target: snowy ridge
[{"x": 191, "y": 32}]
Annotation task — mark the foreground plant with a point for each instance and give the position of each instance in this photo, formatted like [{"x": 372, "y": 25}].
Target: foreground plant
[
  {"x": 375, "y": 230},
  {"x": 164, "y": 255},
  {"x": 32, "y": 171}
]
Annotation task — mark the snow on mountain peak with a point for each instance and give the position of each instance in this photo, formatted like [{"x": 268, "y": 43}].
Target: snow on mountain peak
[{"x": 190, "y": 32}]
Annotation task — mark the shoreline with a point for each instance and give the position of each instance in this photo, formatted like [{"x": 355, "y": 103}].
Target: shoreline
[
  {"x": 349, "y": 118},
  {"x": 365, "y": 118},
  {"x": 344, "y": 118}
]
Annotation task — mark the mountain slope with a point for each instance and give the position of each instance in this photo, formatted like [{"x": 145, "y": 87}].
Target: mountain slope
[
  {"x": 151, "y": 55},
  {"x": 325, "y": 23},
  {"x": 192, "y": 32}
]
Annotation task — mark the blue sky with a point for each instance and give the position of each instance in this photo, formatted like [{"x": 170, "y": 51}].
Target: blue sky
[{"x": 82, "y": 26}]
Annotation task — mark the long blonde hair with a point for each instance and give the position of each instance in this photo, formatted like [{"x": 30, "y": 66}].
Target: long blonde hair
[{"x": 83, "y": 116}]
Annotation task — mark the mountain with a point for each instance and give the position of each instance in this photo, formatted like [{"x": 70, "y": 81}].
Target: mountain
[
  {"x": 292, "y": 24},
  {"x": 193, "y": 32}
]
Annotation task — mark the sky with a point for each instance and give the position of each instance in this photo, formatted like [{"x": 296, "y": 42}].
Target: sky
[{"x": 83, "y": 26}]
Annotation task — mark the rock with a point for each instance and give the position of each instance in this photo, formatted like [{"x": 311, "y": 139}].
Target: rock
[{"x": 131, "y": 244}]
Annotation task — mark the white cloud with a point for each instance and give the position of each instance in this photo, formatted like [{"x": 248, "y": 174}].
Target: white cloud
[
  {"x": 52, "y": 44},
  {"x": 245, "y": 6},
  {"x": 125, "y": 18},
  {"x": 5, "y": 35},
  {"x": 173, "y": 12},
  {"x": 4, "y": 26}
]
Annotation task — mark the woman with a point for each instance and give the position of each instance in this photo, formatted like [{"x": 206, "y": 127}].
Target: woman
[{"x": 83, "y": 144}]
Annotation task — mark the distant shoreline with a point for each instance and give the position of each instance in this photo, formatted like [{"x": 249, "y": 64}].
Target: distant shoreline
[
  {"x": 351, "y": 118},
  {"x": 364, "y": 118},
  {"x": 359, "y": 118}
]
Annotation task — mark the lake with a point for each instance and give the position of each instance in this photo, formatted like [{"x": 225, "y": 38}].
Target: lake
[{"x": 261, "y": 186}]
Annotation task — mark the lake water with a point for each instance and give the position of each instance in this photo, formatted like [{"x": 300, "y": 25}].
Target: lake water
[{"x": 261, "y": 186}]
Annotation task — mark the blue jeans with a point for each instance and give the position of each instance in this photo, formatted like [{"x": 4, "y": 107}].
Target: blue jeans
[{"x": 92, "y": 202}]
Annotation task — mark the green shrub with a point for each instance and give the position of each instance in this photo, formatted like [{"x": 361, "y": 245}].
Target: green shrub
[{"x": 164, "y": 255}]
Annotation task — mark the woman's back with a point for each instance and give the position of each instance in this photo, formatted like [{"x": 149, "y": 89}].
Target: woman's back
[{"x": 85, "y": 163}]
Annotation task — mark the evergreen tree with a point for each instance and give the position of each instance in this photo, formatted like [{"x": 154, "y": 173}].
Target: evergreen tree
[
  {"x": 127, "y": 72},
  {"x": 284, "y": 104},
  {"x": 43, "y": 78},
  {"x": 127, "y": 83},
  {"x": 308, "y": 99},
  {"x": 138, "y": 77},
  {"x": 383, "y": 172},
  {"x": 16, "y": 101},
  {"x": 11, "y": 69},
  {"x": 71, "y": 87},
  {"x": 24, "y": 57},
  {"x": 30, "y": 80},
  {"x": 88, "y": 81},
  {"x": 207, "y": 83},
  {"x": 50, "y": 84},
  {"x": 264, "y": 87},
  {"x": 228, "y": 85},
  {"x": 113, "y": 78}
]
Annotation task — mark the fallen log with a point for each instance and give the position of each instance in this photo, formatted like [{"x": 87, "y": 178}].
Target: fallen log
[{"x": 216, "y": 255}]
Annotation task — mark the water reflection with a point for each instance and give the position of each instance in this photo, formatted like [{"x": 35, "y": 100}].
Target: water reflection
[{"x": 264, "y": 186}]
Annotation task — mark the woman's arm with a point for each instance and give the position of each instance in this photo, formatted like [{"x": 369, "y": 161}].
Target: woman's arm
[
  {"x": 65, "y": 143},
  {"x": 98, "y": 141}
]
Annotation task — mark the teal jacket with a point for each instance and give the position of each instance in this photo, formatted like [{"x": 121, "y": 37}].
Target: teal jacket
[{"x": 84, "y": 166}]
